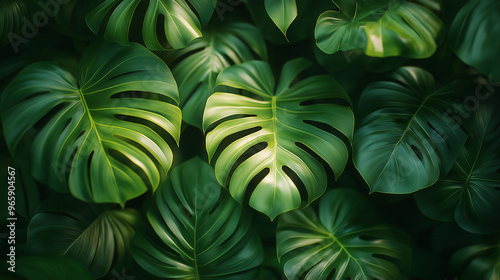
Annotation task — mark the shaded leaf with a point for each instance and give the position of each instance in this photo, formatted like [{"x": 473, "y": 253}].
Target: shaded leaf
[{"x": 200, "y": 232}]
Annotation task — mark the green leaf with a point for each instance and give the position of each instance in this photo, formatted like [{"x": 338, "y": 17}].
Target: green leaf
[
  {"x": 181, "y": 25},
  {"x": 12, "y": 14},
  {"x": 478, "y": 262},
  {"x": 200, "y": 232},
  {"x": 29, "y": 268},
  {"x": 472, "y": 36},
  {"x": 279, "y": 117},
  {"x": 282, "y": 12},
  {"x": 380, "y": 28},
  {"x": 103, "y": 128},
  {"x": 196, "y": 67},
  {"x": 406, "y": 136},
  {"x": 470, "y": 192},
  {"x": 93, "y": 234},
  {"x": 345, "y": 242}
]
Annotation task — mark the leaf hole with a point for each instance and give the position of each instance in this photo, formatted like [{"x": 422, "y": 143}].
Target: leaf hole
[
  {"x": 126, "y": 97},
  {"x": 125, "y": 74},
  {"x": 160, "y": 31},
  {"x": 435, "y": 130},
  {"x": 253, "y": 184},
  {"x": 48, "y": 116},
  {"x": 89, "y": 164},
  {"x": 235, "y": 136},
  {"x": 326, "y": 167},
  {"x": 417, "y": 152},
  {"x": 367, "y": 238},
  {"x": 329, "y": 129},
  {"x": 130, "y": 164},
  {"x": 225, "y": 119},
  {"x": 298, "y": 183},
  {"x": 334, "y": 101}
]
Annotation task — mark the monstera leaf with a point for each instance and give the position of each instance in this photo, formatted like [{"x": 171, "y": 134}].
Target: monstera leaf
[
  {"x": 471, "y": 191},
  {"x": 196, "y": 67},
  {"x": 471, "y": 36},
  {"x": 104, "y": 128},
  {"x": 478, "y": 262},
  {"x": 200, "y": 232},
  {"x": 345, "y": 242},
  {"x": 180, "y": 23},
  {"x": 289, "y": 120},
  {"x": 29, "y": 268},
  {"x": 406, "y": 136},
  {"x": 93, "y": 234},
  {"x": 282, "y": 12},
  {"x": 380, "y": 28}
]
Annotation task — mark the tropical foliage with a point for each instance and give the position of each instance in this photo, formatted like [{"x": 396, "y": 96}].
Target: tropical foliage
[{"x": 250, "y": 139}]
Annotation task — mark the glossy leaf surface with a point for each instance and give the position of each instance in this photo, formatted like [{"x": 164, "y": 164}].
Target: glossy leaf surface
[{"x": 280, "y": 117}]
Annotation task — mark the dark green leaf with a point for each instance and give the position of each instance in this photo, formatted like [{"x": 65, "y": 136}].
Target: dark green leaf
[
  {"x": 200, "y": 232},
  {"x": 93, "y": 234},
  {"x": 30, "y": 268},
  {"x": 406, "y": 136},
  {"x": 470, "y": 192},
  {"x": 473, "y": 36},
  {"x": 345, "y": 242}
]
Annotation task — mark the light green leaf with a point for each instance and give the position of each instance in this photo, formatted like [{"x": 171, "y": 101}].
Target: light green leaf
[
  {"x": 105, "y": 128},
  {"x": 181, "y": 25},
  {"x": 282, "y": 12},
  {"x": 407, "y": 137},
  {"x": 473, "y": 36},
  {"x": 29, "y": 268},
  {"x": 345, "y": 242},
  {"x": 279, "y": 117},
  {"x": 470, "y": 192},
  {"x": 380, "y": 28},
  {"x": 196, "y": 67},
  {"x": 200, "y": 232},
  {"x": 93, "y": 234}
]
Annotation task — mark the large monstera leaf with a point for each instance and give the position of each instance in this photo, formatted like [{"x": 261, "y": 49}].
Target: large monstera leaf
[
  {"x": 200, "y": 232},
  {"x": 470, "y": 192},
  {"x": 95, "y": 235},
  {"x": 478, "y": 262},
  {"x": 102, "y": 134},
  {"x": 287, "y": 119},
  {"x": 345, "y": 242},
  {"x": 180, "y": 23},
  {"x": 196, "y": 67},
  {"x": 380, "y": 28},
  {"x": 29, "y": 268},
  {"x": 406, "y": 136},
  {"x": 471, "y": 36}
]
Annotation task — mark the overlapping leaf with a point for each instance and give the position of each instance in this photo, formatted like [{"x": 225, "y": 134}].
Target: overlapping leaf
[
  {"x": 470, "y": 192},
  {"x": 93, "y": 234},
  {"x": 478, "y": 262},
  {"x": 180, "y": 23},
  {"x": 196, "y": 67},
  {"x": 406, "y": 137},
  {"x": 380, "y": 28},
  {"x": 29, "y": 268},
  {"x": 345, "y": 242},
  {"x": 200, "y": 232},
  {"x": 473, "y": 36},
  {"x": 286, "y": 119},
  {"x": 102, "y": 134}
]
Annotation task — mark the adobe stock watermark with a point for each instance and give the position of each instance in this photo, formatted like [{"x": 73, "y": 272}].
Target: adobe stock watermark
[
  {"x": 223, "y": 7},
  {"x": 30, "y": 27},
  {"x": 122, "y": 275},
  {"x": 11, "y": 219}
]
